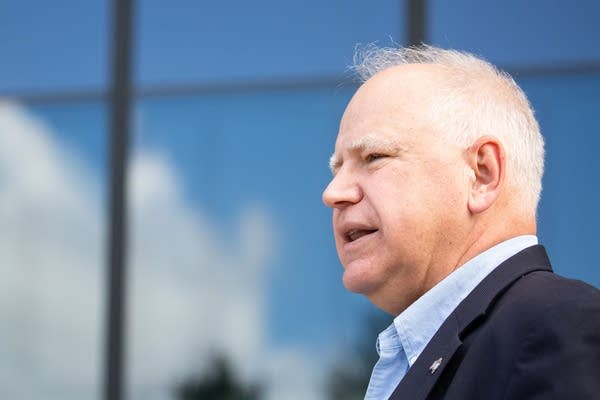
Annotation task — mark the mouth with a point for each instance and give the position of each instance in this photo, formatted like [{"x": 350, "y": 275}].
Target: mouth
[{"x": 355, "y": 234}]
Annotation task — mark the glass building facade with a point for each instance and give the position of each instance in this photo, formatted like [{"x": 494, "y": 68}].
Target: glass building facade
[{"x": 233, "y": 287}]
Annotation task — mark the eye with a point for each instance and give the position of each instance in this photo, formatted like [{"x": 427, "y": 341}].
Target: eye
[{"x": 374, "y": 157}]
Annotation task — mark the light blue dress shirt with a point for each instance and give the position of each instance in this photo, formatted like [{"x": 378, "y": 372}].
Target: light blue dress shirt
[{"x": 401, "y": 343}]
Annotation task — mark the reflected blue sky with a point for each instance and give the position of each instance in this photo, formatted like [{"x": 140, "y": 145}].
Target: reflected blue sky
[
  {"x": 262, "y": 39},
  {"x": 517, "y": 33},
  {"x": 81, "y": 129},
  {"x": 56, "y": 45},
  {"x": 65, "y": 44},
  {"x": 567, "y": 109}
]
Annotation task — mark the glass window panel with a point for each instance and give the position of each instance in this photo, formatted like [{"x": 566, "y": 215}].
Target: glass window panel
[
  {"x": 516, "y": 33},
  {"x": 53, "y": 45},
  {"x": 231, "y": 248},
  {"x": 52, "y": 211},
  {"x": 263, "y": 39},
  {"x": 567, "y": 109}
]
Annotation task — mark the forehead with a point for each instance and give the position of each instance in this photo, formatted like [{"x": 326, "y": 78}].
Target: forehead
[{"x": 391, "y": 106}]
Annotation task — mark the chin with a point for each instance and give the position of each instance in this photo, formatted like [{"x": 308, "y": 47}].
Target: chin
[{"x": 359, "y": 282}]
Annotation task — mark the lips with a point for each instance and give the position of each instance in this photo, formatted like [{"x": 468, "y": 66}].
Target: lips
[
  {"x": 352, "y": 231},
  {"x": 356, "y": 233}
]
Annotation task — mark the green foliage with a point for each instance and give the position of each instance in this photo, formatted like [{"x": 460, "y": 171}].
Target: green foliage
[
  {"x": 350, "y": 375},
  {"x": 348, "y": 379},
  {"x": 219, "y": 384}
]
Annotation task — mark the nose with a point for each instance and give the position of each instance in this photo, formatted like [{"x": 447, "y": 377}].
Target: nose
[{"x": 342, "y": 191}]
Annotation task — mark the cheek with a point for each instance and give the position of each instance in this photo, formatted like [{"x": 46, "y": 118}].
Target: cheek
[
  {"x": 409, "y": 201},
  {"x": 412, "y": 211},
  {"x": 453, "y": 190}
]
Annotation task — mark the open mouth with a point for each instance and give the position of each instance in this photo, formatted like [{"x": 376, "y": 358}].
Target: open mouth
[{"x": 355, "y": 234}]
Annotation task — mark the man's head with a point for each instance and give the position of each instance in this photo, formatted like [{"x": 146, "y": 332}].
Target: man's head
[{"x": 438, "y": 158}]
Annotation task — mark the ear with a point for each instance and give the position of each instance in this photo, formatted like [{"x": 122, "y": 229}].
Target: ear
[{"x": 486, "y": 158}]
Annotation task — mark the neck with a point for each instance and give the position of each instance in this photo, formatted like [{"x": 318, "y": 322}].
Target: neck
[{"x": 486, "y": 234}]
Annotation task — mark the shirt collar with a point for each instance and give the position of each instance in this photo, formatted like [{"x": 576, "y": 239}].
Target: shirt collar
[{"x": 416, "y": 325}]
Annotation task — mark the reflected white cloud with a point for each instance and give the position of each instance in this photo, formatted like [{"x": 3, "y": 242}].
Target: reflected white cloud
[
  {"x": 195, "y": 288},
  {"x": 50, "y": 252},
  {"x": 193, "y": 292}
]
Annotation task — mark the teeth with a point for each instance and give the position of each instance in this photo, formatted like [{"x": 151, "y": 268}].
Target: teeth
[{"x": 351, "y": 235}]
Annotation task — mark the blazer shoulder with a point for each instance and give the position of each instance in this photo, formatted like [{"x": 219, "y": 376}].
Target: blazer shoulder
[
  {"x": 539, "y": 290},
  {"x": 543, "y": 297},
  {"x": 555, "y": 323},
  {"x": 541, "y": 336}
]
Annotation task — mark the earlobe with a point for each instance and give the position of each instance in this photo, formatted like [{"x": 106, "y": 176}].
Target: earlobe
[{"x": 486, "y": 158}]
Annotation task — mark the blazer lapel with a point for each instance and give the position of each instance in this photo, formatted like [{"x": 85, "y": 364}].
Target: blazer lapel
[{"x": 424, "y": 373}]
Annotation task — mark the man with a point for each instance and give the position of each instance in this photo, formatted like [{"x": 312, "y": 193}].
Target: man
[{"x": 436, "y": 178}]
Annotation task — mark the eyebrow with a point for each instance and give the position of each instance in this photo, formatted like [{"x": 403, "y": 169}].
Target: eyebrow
[{"x": 365, "y": 144}]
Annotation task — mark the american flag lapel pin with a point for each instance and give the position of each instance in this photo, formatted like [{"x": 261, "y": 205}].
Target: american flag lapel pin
[{"x": 435, "y": 365}]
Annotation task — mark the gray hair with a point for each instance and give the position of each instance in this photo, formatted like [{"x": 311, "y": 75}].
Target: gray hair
[{"x": 478, "y": 99}]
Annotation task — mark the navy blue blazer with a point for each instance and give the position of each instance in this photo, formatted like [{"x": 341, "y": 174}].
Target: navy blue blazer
[{"x": 523, "y": 333}]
